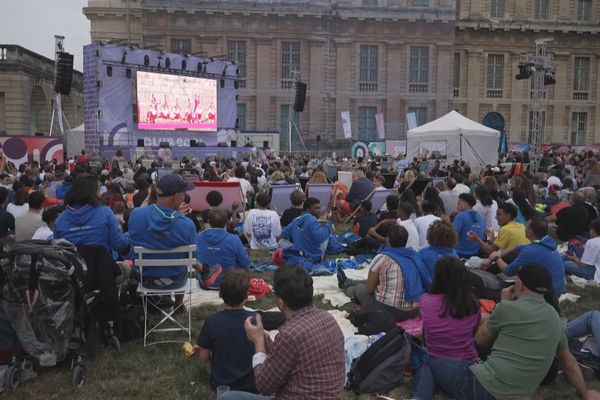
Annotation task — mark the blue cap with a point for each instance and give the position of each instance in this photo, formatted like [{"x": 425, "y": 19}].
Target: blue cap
[{"x": 172, "y": 184}]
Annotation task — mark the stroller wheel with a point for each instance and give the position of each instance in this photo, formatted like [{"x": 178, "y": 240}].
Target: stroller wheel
[
  {"x": 13, "y": 377},
  {"x": 115, "y": 343},
  {"x": 78, "y": 375}
]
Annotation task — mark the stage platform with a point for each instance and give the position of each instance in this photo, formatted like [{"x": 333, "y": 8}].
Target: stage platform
[{"x": 178, "y": 153}]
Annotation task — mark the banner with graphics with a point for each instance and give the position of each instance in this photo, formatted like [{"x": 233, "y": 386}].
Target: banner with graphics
[
  {"x": 359, "y": 149},
  {"x": 377, "y": 148},
  {"x": 395, "y": 147},
  {"x": 26, "y": 149}
]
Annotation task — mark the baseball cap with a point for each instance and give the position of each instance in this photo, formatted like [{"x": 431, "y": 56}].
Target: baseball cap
[
  {"x": 536, "y": 278},
  {"x": 171, "y": 184}
]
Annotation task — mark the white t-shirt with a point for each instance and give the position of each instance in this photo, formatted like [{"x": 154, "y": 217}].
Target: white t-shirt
[
  {"x": 263, "y": 227},
  {"x": 43, "y": 233},
  {"x": 591, "y": 255},
  {"x": 422, "y": 225},
  {"x": 17, "y": 210},
  {"x": 244, "y": 184},
  {"x": 488, "y": 213},
  {"x": 413, "y": 234}
]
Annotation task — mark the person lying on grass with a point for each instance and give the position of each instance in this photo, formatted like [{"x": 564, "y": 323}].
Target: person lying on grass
[{"x": 223, "y": 341}]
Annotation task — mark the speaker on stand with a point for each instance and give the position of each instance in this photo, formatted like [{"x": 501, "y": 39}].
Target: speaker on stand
[
  {"x": 318, "y": 140},
  {"x": 234, "y": 143},
  {"x": 265, "y": 144},
  {"x": 300, "y": 96},
  {"x": 64, "y": 73}
]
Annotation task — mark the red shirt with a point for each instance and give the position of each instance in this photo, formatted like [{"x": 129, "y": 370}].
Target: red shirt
[{"x": 306, "y": 361}]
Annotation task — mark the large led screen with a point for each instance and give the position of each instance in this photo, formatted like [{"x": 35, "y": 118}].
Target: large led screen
[{"x": 169, "y": 102}]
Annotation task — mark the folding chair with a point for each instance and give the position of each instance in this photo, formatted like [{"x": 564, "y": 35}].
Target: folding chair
[
  {"x": 345, "y": 177},
  {"x": 231, "y": 192},
  {"x": 167, "y": 316},
  {"x": 377, "y": 198},
  {"x": 280, "y": 197},
  {"x": 321, "y": 191}
]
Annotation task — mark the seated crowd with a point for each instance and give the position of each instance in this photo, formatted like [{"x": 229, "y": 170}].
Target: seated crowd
[{"x": 424, "y": 240}]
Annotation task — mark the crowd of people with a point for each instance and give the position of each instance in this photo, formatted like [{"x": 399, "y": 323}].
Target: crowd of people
[{"x": 529, "y": 229}]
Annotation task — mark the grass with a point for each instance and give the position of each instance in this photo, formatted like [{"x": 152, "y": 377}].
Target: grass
[{"x": 163, "y": 372}]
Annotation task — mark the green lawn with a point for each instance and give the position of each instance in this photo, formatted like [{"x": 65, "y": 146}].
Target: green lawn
[{"x": 162, "y": 372}]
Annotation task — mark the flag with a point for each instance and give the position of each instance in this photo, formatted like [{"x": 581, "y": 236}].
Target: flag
[
  {"x": 380, "y": 125},
  {"x": 346, "y": 124},
  {"x": 411, "y": 119},
  {"x": 59, "y": 113}
]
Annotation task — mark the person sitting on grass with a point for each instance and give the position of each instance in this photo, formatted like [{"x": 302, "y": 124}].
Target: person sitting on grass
[
  {"x": 511, "y": 233},
  {"x": 297, "y": 199},
  {"x": 306, "y": 359},
  {"x": 262, "y": 226},
  {"x": 587, "y": 266},
  {"x": 442, "y": 238},
  {"x": 223, "y": 341},
  {"x": 468, "y": 220},
  {"x": 365, "y": 220},
  {"x": 305, "y": 235},
  {"x": 542, "y": 250},
  {"x": 397, "y": 279},
  {"x": 218, "y": 250}
]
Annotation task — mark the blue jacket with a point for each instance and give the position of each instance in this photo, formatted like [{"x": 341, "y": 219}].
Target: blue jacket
[
  {"x": 464, "y": 222},
  {"x": 541, "y": 252},
  {"x": 416, "y": 277},
  {"x": 360, "y": 189},
  {"x": 308, "y": 235},
  {"x": 217, "y": 246},
  {"x": 160, "y": 228},
  {"x": 61, "y": 190},
  {"x": 430, "y": 256},
  {"x": 89, "y": 225}
]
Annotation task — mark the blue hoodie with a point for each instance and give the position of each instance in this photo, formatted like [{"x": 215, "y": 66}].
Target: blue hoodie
[
  {"x": 160, "y": 228},
  {"x": 416, "y": 277},
  {"x": 465, "y": 222},
  {"x": 217, "y": 246},
  {"x": 307, "y": 234},
  {"x": 541, "y": 252},
  {"x": 430, "y": 256},
  {"x": 95, "y": 226}
]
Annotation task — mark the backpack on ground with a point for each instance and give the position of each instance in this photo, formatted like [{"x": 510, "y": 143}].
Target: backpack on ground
[
  {"x": 371, "y": 322},
  {"x": 132, "y": 322},
  {"x": 585, "y": 358},
  {"x": 381, "y": 368},
  {"x": 486, "y": 285}
]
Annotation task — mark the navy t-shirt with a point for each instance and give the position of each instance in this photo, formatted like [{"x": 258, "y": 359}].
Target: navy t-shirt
[
  {"x": 224, "y": 335},
  {"x": 365, "y": 222}
]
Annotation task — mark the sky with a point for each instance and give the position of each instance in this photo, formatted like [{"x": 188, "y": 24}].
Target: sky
[{"x": 32, "y": 24}]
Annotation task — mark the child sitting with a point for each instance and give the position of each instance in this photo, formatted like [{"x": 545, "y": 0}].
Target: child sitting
[
  {"x": 223, "y": 341},
  {"x": 364, "y": 220}
]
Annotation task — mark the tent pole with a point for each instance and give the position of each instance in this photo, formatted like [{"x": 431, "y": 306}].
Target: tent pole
[{"x": 461, "y": 139}]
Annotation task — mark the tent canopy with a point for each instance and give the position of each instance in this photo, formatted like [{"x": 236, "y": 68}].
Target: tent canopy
[{"x": 456, "y": 136}]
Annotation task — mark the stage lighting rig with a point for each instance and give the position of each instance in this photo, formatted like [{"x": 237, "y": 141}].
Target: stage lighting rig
[{"x": 525, "y": 71}]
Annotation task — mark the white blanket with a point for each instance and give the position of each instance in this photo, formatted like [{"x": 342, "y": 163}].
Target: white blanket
[{"x": 328, "y": 286}]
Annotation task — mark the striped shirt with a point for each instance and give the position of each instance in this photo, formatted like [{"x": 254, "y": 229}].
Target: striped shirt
[{"x": 390, "y": 288}]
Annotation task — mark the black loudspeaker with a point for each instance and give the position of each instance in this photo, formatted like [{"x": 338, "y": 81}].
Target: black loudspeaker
[
  {"x": 64, "y": 73},
  {"x": 233, "y": 143},
  {"x": 39, "y": 134},
  {"x": 300, "y": 96},
  {"x": 318, "y": 138},
  {"x": 193, "y": 143},
  {"x": 164, "y": 145},
  {"x": 222, "y": 83},
  {"x": 221, "y": 144},
  {"x": 140, "y": 143},
  {"x": 200, "y": 144},
  {"x": 128, "y": 73},
  {"x": 266, "y": 144}
]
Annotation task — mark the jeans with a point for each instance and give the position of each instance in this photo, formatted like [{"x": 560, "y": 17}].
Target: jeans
[
  {"x": 584, "y": 325},
  {"x": 452, "y": 376},
  {"x": 572, "y": 268},
  {"x": 242, "y": 396}
]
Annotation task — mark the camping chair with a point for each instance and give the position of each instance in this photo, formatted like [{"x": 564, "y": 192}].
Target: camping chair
[
  {"x": 346, "y": 178},
  {"x": 321, "y": 191},
  {"x": 303, "y": 181},
  {"x": 377, "y": 198},
  {"x": 167, "y": 316},
  {"x": 390, "y": 179},
  {"x": 332, "y": 171},
  {"x": 280, "y": 197},
  {"x": 231, "y": 192}
]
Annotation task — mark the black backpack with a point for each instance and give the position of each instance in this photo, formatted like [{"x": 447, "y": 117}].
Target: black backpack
[
  {"x": 381, "y": 368},
  {"x": 486, "y": 285},
  {"x": 371, "y": 322},
  {"x": 132, "y": 323},
  {"x": 586, "y": 359}
]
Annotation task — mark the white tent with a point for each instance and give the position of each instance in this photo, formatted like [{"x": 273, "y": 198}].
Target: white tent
[{"x": 458, "y": 138}]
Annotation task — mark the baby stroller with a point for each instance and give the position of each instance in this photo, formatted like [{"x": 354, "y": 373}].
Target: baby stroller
[{"x": 41, "y": 286}]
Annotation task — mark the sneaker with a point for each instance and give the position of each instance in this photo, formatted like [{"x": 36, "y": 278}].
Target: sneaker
[
  {"x": 341, "y": 277},
  {"x": 210, "y": 274}
]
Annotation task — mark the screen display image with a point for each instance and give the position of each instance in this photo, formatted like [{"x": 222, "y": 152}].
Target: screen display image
[{"x": 169, "y": 102}]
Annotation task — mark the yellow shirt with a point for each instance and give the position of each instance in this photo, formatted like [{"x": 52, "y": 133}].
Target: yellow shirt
[{"x": 510, "y": 235}]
